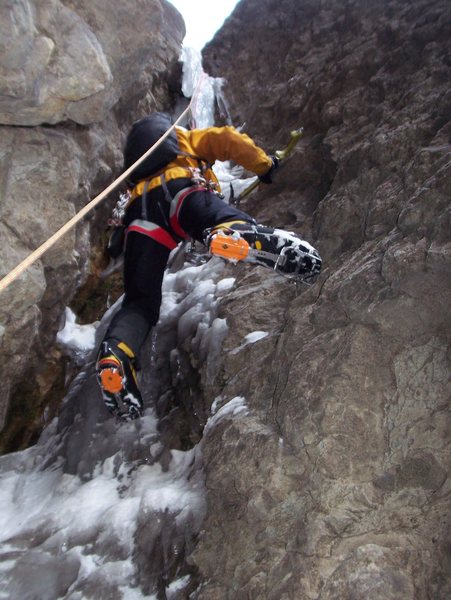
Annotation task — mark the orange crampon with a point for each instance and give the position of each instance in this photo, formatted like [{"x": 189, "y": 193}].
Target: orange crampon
[
  {"x": 111, "y": 378},
  {"x": 228, "y": 246}
]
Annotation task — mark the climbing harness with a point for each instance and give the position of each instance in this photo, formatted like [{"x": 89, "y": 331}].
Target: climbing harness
[{"x": 172, "y": 234}]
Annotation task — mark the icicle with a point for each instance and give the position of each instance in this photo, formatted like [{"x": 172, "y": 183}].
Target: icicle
[{"x": 221, "y": 101}]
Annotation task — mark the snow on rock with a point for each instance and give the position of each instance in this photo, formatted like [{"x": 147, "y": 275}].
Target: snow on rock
[
  {"x": 230, "y": 177},
  {"x": 91, "y": 524},
  {"x": 236, "y": 407},
  {"x": 225, "y": 285},
  {"x": 80, "y": 339},
  {"x": 190, "y": 299},
  {"x": 250, "y": 338}
]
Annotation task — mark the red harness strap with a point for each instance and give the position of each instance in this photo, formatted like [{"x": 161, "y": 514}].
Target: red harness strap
[
  {"x": 176, "y": 205},
  {"x": 153, "y": 231},
  {"x": 158, "y": 233}
]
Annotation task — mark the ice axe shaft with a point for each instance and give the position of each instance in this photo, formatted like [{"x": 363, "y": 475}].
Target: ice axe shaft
[{"x": 295, "y": 137}]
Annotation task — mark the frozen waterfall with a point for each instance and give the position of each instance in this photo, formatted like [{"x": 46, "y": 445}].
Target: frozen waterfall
[
  {"x": 208, "y": 98},
  {"x": 206, "y": 91}
]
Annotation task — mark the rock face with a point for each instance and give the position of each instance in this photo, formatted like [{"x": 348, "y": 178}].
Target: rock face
[
  {"x": 327, "y": 468},
  {"x": 76, "y": 76},
  {"x": 335, "y": 484},
  {"x": 75, "y": 61}
]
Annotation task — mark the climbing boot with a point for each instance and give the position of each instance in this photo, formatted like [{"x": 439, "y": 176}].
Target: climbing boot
[
  {"x": 283, "y": 251},
  {"x": 116, "y": 375}
]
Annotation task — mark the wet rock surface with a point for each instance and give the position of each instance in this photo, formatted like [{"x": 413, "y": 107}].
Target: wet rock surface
[{"x": 335, "y": 484}]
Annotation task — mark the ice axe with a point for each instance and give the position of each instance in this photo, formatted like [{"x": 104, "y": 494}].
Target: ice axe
[{"x": 282, "y": 155}]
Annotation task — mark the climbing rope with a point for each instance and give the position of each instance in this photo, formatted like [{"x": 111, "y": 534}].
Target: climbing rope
[{"x": 34, "y": 256}]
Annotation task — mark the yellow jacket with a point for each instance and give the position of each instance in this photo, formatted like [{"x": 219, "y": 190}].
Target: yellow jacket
[{"x": 210, "y": 144}]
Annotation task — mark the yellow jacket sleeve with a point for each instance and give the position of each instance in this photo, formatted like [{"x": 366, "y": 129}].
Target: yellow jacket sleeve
[{"x": 226, "y": 143}]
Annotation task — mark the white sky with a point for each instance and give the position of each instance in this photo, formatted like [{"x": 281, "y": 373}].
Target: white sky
[{"x": 203, "y": 18}]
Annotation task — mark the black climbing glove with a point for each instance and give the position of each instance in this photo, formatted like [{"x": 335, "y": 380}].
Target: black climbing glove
[{"x": 267, "y": 177}]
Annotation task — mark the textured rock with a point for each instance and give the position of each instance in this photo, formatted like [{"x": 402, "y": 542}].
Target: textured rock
[
  {"x": 43, "y": 171},
  {"x": 142, "y": 42},
  {"x": 61, "y": 63},
  {"x": 335, "y": 484},
  {"x": 51, "y": 60},
  {"x": 75, "y": 61}
]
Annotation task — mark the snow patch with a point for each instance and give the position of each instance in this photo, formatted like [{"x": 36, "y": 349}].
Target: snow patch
[
  {"x": 255, "y": 336},
  {"x": 250, "y": 338},
  {"x": 225, "y": 285},
  {"x": 232, "y": 409},
  {"x": 80, "y": 339},
  {"x": 177, "y": 586}
]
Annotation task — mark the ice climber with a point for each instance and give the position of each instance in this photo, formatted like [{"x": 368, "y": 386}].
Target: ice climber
[{"x": 174, "y": 196}]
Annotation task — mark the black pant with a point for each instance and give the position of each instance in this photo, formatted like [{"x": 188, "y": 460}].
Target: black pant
[{"x": 145, "y": 259}]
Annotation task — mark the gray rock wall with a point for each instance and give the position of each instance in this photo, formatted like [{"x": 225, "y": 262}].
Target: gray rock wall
[
  {"x": 73, "y": 76},
  {"x": 336, "y": 483}
]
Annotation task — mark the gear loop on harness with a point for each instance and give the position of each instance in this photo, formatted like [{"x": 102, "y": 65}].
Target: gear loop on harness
[
  {"x": 197, "y": 177},
  {"x": 118, "y": 212}
]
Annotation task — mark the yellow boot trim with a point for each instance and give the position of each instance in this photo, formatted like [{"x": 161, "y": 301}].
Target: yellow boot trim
[
  {"x": 128, "y": 351},
  {"x": 228, "y": 225}
]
